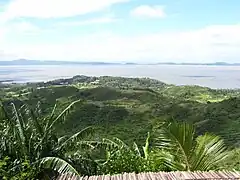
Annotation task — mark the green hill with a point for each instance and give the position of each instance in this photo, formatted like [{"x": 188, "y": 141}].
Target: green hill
[{"x": 130, "y": 107}]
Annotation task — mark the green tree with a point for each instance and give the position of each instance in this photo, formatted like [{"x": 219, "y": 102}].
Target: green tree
[{"x": 28, "y": 138}]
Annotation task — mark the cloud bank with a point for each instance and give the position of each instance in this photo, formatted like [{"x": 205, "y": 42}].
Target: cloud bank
[
  {"x": 209, "y": 44},
  {"x": 20, "y": 38}
]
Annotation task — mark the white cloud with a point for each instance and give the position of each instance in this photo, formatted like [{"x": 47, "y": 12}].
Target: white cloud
[
  {"x": 6, "y": 56},
  {"x": 54, "y": 8},
  {"x": 101, "y": 20},
  {"x": 2, "y": 32},
  {"x": 213, "y": 43},
  {"x": 20, "y": 28},
  {"x": 24, "y": 27},
  {"x": 148, "y": 11},
  {"x": 3, "y": 45}
]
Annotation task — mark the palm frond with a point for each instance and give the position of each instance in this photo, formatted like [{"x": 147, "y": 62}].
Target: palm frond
[
  {"x": 136, "y": 149},
  {"x": 51, "y": 121},
  {"x": 178, "y": 137},
  {"x": 50, "y": 118},
  {"x": 4, "y": 114},
  {"x": 63, "y": 114},
  {"x": 77, "y": 136},
  {"x": 62, "y": 139},
  {"x": 89, "y": 144},
  {"x": 202, "y": 153},
  {"x": 38, "y": 109},
  {"x": 36, "y": 123},
  {"x": 20, "y": 133},
  {"x": 168, "y": 159},
  {"x": 146, "y": 147},
  {"x": 57, "y": 164},
  {"x": 120, "y": 142},
  {"x": 209, "y": 151},
  {"x": 110, "y": 143}
]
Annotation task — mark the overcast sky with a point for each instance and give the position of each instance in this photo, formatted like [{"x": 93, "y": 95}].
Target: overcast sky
[{"x": 120, "y": 30}]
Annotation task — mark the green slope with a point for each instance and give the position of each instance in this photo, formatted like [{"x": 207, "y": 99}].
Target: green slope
[{"x": 130, "y": 107}]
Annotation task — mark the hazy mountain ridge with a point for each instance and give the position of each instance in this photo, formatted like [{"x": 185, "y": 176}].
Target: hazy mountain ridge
[
  {"x": 52, "y": 62},
  {"x": 38, "y": 62}
]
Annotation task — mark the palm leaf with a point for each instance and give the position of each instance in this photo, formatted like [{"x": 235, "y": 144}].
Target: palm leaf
[
  {"x": 36, "y": 123},
  {"x": 19, "y": 124},
  {"x": 202, "y": 153},
  {"x": 80, "y": 135},
  {"x": 4, "y": 113},
  {"x": 146, "y": 147},
  {"x": 136, "y": 149},
  {"x": 51, "y": 117},
  {"x": 120, "y": 143},
  {"x": 178, "y": 137},
  {"x": 51, "y": 121},
  {"x": 20, "y": 133},
  {"x": 57, "y": 164},
  {"x": 110, "y": 143},
  {"x": 168, "y": 159},
  {"x": 89, "y": 144},
  {"x": 63, "y": 114},
  {"x": 62, "y": 139},
  {"x": 209, "y": 151}
]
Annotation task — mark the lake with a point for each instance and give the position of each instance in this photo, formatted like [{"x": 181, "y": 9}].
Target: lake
[{"x": 210, "y": 76}]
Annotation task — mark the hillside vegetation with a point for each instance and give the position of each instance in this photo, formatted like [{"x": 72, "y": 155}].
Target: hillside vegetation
[{"x": 128, "y": 109}]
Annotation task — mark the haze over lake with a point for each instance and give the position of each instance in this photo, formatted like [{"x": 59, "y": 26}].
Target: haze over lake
[{"x": 210, "y": 76}]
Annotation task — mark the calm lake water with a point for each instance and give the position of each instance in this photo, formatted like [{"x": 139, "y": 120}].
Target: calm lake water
[{"x": 210, "y": 76}]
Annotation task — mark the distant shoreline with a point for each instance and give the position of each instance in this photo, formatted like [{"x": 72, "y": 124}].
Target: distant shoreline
[
  {"x": 216, "y": 77},
  {"x": 37, "y": 62},
  {"x": 116, "y": 64}
]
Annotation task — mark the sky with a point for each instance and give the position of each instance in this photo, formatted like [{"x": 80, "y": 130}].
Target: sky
[{"x": 121, "y": 30}]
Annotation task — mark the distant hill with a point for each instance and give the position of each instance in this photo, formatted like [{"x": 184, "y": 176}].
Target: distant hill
[
  {"x": 207, "y": 64},
  {"x": 38, "y": 62},
  {"x": 51, "y": 62}
]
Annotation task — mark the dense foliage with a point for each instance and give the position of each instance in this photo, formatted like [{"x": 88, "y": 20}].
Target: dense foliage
[{"x": 139, "y": 125}]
